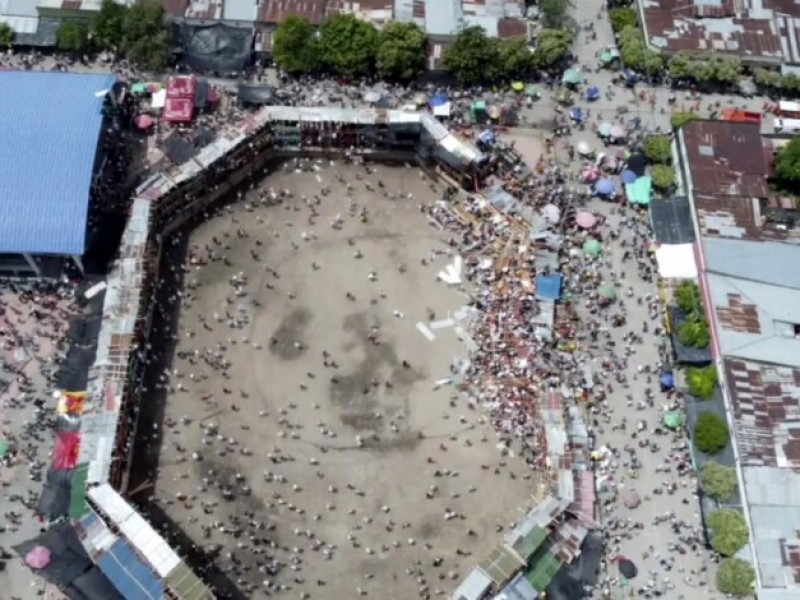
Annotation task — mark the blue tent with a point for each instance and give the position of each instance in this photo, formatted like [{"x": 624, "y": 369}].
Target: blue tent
[
  {"x": 605, "y": 187},
  {"x": 629, "y": 77},
  {"x": 548, "y": 287},
  {"x": 593, "y": 93},
  {"x": 576, "y": 114},
  {"x": 486, "y": 136},
  {"x": 667, "y": 381},
  {"x": 438, "y": 100},
  {"x": 628, "y": 176}
]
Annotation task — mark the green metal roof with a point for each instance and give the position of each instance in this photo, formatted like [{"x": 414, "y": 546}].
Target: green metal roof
[
  {"x": 501, "y": 564},
  {"x": 187, "y": 585},
  {"x": 528, "y": 544},
  {"x": 77, "y": 504},
  {"x": 542, "y": 572}
]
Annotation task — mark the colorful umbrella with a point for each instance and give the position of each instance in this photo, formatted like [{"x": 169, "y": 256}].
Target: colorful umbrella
[
  {"x": 4, "y": 447},
  {"x": 564, "y": 96},
  {"x": 606, "y": 58},
  {"x": 552, "y": 213},
  {"x": 618, "y": 132},
  {"x": 591, "y": 175},
  {"x": 605, "y": 187},
  {"x": 138, "y": 88},
  {"x": 531, "y": 91},
  {"x": 667, "y": 381},
  {"x": 517, "y": 86},
  {"x": 572, "y": 77},
  {"x": 604, "y": 129},
  {"x": 584, "y": 148},
  {"x": 628, "y": 176},
  {"x": 438, "y": 100},
  {"x": 630, "y": 498},
  {"x": 586, "y": 220},
  {"x": 672, "y": 419},
  {"x": 607, "y": 291},
  {"x": 420, "y": 99},
  {"x": 494, "y": 112},
  {"x": 592, "y": 248},
  {"x": 38, "y": 558},
  {"x": 627, "y": 568},
  {"x": 144, "y": 121}
]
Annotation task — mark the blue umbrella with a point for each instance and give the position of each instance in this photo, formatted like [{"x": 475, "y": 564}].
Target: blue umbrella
[
  {"x": 576, "y": 114},
  {"x": 486, "y": 136},
  {"x": 438, "y": 100},
  {"x": 628, "y": 176},
  {"x": 667, "y": 381},
  {"x": 593, "y": 93},
  {"x": 605, "y": 187}
]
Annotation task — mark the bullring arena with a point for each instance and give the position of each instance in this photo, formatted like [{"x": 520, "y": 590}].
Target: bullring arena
[{"x": 306, "y": 435}]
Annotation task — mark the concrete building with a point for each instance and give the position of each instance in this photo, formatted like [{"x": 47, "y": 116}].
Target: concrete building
[{"x": 747, "y": 254}]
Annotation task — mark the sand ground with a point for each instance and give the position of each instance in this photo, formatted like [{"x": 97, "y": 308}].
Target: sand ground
[{"x": 353, "y": 477}]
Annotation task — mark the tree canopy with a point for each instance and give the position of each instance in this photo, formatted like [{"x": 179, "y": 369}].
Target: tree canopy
[
  {"x": 552, "y": 45},
  {"x": 554, "y": 12},
  {"x": 728, "y": 531},
  {"x": 717, "y": 69},
  {"x": 663, "y": 177},
  {"x": 702, "y": 381},
  {"x": 679, "y": 119},
  {"x": 718, "y": 481},
  {"x": 472, "y": 57},
  {"x": 402, "y": 51},
  {"x": 108, "y": 24},
  {"x": 348, "y": 45},
  {"x": 693, "y": 332},
  {"x": 6, "y": 35},
  {"x": 687, "y": 297},
  {"x": 294, "y": 46},
  {"x": 515, "y": 58},
  {"x": 621, "y": 18},
  {"x": 72, "y": 36},
  {"x": 145, "y": 37},
  {"x": 735, "y": 576},
  {"x": 710, "y": 433},
  {"x": 787, "y": 162},
  {"x": 658, "y": 148}
]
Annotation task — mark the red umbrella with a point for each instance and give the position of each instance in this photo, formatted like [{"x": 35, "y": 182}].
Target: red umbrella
[
  {"x": 591, "y": 175},
  {"x": 144, "y": 121},
  {"x": 38, "y": 558}
]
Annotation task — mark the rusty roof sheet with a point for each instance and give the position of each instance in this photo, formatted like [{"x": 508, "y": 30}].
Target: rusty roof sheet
[
  {"x": 274, "y": 11},
  {"x": 175, "y": 8},
  {"x": 730, "y": 26},
  {"x": 378, "y": 12},
  {"x": 512, "y": 28},
  {"x": 766, "y": 405},
  {"x": 726, "y": 158}
]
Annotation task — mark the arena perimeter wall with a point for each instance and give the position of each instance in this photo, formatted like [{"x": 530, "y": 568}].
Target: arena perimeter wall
[{"x": 161, "y": 205}]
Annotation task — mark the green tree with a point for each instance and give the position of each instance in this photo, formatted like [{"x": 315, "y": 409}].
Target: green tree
[
  {"x": 790, "y": 83},
  {"x": 621, "y": 18},
  {"x": 108, "y": 24},
  {"x": 687, "y": 297},
  {"x": 658, "y": 148},
  {"x": 718, "y": 481},
  {"x": 145, "y": 37},
  {"x": 735, "y": 576},
  {"x": 72, "y": 36},
  {"x": 472, "y": 57},
  {"x": 679, "y": 119},
  {"x": 679, "y": 66},
  {"x": 787, "y": 162},
  {"x": 710, "y": 433},
  {"x": 663, "y": 177},
  {"x": 702, "y": 381},
  {"x": 6, "y": 35},
  {"x": 402, "y": 51},
  {"x": 767, "y": 78},
  {"x": 726, "y": 69},
  {"x": 554, "y": 12},
  {"x": 349, "y": 45},
  {"x": 552, "y": 45},
  {"x": 728, "y": 531},
  {"x": 693, "y": 332},
  {"x": 294, "y": 46},
  {"x": 516, "y": 59},
  {"x": 632, "y": 49},
  {"x": 652, "y": 62}
]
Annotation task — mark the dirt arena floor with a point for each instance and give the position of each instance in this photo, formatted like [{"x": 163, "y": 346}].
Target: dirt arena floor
[{"x": 306, "y": 434}]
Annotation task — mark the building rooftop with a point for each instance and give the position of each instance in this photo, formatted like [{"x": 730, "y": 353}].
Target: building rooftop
[
  {"x": 377, "y": 12},
  {"x": 755, "y": 299},
  {"x": 719, "y": 26},
  {"x": 54, "y": 120},
  {"x": 274, "y": 11}
]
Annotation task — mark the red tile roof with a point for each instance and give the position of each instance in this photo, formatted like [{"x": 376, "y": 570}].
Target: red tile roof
[{"x": 512, "y": 28}]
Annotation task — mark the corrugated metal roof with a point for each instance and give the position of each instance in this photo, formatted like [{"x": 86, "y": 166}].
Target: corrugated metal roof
[
  {"x": 129, "y": 574},
  {"x": 442, "y": 17},
  {"x": 52, "y": 124},
  {"x": 766, "y": 262},
  {"x": 519, "y": 589},
  {"x": 240, "y": 10},
  {"x": 474, "y": 587},
  {"x": 501, "y": 564}
]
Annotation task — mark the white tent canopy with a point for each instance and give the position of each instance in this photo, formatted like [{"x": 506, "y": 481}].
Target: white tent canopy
[{"x": 676, "y": 261}]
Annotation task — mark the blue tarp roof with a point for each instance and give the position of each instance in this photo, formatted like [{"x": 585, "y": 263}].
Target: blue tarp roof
[
  {"x": 129, "y": 574},
  {"x": 51, "y": 125},
  {"x": 548, "y": 287}
]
